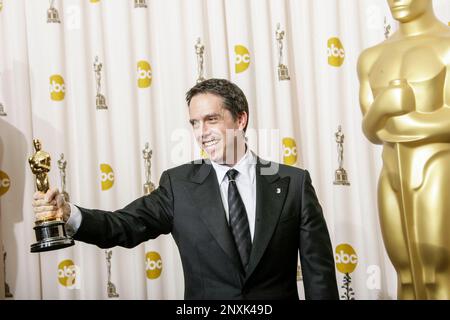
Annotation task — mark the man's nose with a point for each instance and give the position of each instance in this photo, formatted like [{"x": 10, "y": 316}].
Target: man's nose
[{"x": 205, "y": 130}]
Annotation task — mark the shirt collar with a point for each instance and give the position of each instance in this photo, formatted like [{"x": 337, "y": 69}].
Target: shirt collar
[{"x": 245, "y": 166}]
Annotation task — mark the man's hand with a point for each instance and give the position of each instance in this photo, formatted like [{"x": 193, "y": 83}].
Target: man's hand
[{"x": 50, "y": 206}]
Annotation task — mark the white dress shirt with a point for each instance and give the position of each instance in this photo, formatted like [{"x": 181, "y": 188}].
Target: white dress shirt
[
  {"x": 74, "y": 221},
  {"x": 245, "y": 181},
  {"x": 246, "y": 184}
]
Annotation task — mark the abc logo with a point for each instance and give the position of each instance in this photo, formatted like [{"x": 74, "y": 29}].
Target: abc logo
[
  {"x": 346, "y": 258},
  {"x": 4, "y": 183},
  {"x": 144, "y": 74},
  {"x": 68, "y": 274},
  {"x": 289, "y": 151},
  {"x": 242, "y": 58},
  {"x": 336, "y": 52},
  {"x": 153, "y": 265},
  {"x": 57, "y": 87},
  {"x": 107, "y": 176}
]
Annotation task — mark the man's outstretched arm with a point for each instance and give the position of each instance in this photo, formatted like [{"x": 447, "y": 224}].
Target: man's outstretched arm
[{"x": 145, "y": 218}]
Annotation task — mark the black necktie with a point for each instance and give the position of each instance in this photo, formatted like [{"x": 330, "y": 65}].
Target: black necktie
[{"x": 238, "y": 219}]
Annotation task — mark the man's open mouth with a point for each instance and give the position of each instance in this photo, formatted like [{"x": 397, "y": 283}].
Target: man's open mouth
[{"x": 210, "y": 143}]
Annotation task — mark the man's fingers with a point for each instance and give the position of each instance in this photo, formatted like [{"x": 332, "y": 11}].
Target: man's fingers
[
  {"x": 38, "y": 195},
  {"x": 45, "y": 206},
  {"x": 46, "y": 215},
  {"x": 45, "y": 209},
  {"x": 42, "y": 202},
  {"x": 51, "y": 194}
]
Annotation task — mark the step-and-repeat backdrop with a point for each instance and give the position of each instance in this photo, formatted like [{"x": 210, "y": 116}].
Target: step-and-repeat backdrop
[{"x": 95, "y": 80}]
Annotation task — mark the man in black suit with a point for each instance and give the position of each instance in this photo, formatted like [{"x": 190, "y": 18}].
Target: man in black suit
[{"x": 239, "y": 221}]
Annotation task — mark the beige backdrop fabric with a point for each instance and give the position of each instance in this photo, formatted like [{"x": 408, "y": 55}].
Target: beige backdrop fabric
[{"x": 48, "y": 88}]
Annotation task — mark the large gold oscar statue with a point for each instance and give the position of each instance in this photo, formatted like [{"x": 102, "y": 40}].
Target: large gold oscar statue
[{"x": 405, "y": 100}]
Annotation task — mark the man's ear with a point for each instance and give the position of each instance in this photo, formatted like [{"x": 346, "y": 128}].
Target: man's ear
[{"x": 242, "y": 120}]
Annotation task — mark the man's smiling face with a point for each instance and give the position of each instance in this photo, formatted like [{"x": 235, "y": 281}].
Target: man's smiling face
[{"x": 214, "y": 126}]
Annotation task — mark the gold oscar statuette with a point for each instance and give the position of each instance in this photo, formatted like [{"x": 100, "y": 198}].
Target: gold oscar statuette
[
  {"x": 404, "y": 86},
  {"x": 50, "y": 233}
]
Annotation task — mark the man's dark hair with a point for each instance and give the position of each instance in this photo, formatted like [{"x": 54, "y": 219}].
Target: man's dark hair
[{"x": 233, "y": 98}]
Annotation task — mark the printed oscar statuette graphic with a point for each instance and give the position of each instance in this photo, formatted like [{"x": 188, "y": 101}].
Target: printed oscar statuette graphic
[
  {"x": 8, "y": 293},
  {"x": 199, "y": 51},
  {"x": 387, "y": 29},
  {"x": 100, "y": 100},
  {"x": 2, "y": 111},
  {"x": 62, "y": 164},
  {"x": 110, "y": 287},
  {"x": 52, "y": 13},
  {"x": 2, "y": 108},
  {"x": 147, "y": 155},
  {"x": 283, "y": 71},
  {"x": 340, "y": 175},
  {"x": 140, "y": 3},
  {"x": 50, "y": 233}
]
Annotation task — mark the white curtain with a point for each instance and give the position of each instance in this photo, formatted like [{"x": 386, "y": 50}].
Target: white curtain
[{"x": 148, "y": 63}]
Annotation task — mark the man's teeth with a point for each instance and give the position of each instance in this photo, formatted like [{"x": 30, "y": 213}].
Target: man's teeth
[{"x": 210, "y": 143}]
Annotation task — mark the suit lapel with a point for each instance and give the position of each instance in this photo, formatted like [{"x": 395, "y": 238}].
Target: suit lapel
[
  {"x": 271, "y": 191},
  {"x": 211, "y": 209}
]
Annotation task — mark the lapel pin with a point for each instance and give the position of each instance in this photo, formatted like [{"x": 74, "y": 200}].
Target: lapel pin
[{"x": 278, "y": 190}]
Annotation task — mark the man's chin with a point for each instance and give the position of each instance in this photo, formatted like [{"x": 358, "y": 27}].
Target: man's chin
[
  {"x": 215, "y": 153},
  {"x": 215, "y": 156}
]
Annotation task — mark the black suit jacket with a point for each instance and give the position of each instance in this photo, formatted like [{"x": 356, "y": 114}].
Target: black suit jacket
[{"x": 188, "y": 204}]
